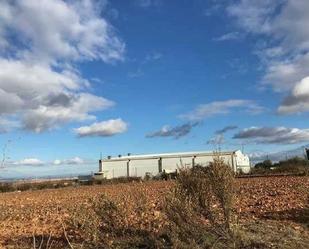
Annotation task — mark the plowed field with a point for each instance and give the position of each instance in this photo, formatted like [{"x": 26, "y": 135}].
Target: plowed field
[{"x": 283, "y": 200}]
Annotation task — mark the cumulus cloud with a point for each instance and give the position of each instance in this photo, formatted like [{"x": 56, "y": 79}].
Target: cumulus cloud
[
  {"x": 274, "y": 135},
  {"x": 285, "y": 51},
  {"x": 222, "y": 107},
  {"x": 30, "y": 162},
  {"x": 44, "y": 98},
  {"x": 48, "y": 90},
  {"x": 226, "y": 129},
  {"x": 175, "y": 132},
  {"x": 284, "y": 74},
  {"x": 298, "y": 100},
  {"x": 79, "y": 106},
  {"x": 103, "y": 129},
  {"x": 85, "y": 35}
]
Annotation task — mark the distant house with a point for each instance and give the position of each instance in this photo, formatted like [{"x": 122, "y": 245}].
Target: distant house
[{"x": 140, "y": 165}]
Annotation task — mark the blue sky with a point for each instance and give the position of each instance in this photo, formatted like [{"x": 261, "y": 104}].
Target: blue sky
[{"x": 80, "y": 78}]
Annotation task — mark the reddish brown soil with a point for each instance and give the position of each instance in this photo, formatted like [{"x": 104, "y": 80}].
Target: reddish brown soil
[{"x": 24, "y": 214}]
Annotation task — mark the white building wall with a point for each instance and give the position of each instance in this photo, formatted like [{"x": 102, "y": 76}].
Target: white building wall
[
  {"x": 206, "y": 160},
  {"x": 139, "y": 168},
  {"x": 203, "y": 160},
  {"x": 171, "y": 164},
  {"x": 114, "y": 169},
  {"x": 242, "y": 162}
]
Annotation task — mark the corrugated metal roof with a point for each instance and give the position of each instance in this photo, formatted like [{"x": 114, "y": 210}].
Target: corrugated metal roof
[{"x": 169, "y": 155}]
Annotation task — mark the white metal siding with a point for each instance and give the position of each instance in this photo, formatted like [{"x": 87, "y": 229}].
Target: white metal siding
[
  {"x": 175, "y": 163},
  {"x": 115, "y": 169},
  {"x": 141, "y": 167},
  {"x": 203, "y": 160},
  {"x": 141, "y": 164}
]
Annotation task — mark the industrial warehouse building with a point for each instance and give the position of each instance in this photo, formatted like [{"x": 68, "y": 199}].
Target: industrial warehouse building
[{"x": 140, "y": 165}]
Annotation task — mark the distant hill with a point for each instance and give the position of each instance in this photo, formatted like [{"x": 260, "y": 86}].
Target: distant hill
[{"x": 277, "y": 156}]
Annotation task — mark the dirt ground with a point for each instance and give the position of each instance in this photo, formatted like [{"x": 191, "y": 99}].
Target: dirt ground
[{"x": 279, "y": 202}]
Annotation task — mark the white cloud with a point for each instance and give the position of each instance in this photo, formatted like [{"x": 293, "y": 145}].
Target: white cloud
[
  {"x": 216, "y": 140},
  {"x": 274, "y": 135},
  {"x": 176, "y": 131},
  {"x": 226, "y": 129},
  {"x": 55, "y": 29},
  {"x": 35, "y": 78},
  {"x": 103, "y": 129},
  {"x": 75, "y": 160},
  {"x": 57, "y": 162},
  {"x": 283, "y": 74},
  {"x": 253, "y": 15},
  {"x": 37, "y": 94},
  {"x": 9, "y": 102},
  {"x": 229, "y": 36},
  {"x": 149, "y": 58},
  {"x": 39, "y": 84},
  {"x": 7, "y": 125},
  {"x": 298, "y": 100},
  {"x": 214, "y": 8},
  {"x": 222, "y": 107},
  {"x": 285, "y": 50},
  {"x": 154, "y": 56},
  {"x": 5, "y": 15},
  {"x": 147, "y": 3},
  {"x": 71, "y": 161},
  {"x": 46, "y": 117},
  {"x": 30, "y": 162}
]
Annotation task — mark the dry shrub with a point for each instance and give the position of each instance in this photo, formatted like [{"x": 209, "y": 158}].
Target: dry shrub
[
  {"x": 107, "y": 223},
  {"x": 212, "y": 191},
  {"x": 95, "y": 224},
  {"x": 222, "y": 183},
  {"x": 197, "y": 213},
  {"x": 186, "y": 228},
  {"x": 201, "y": 207}
]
